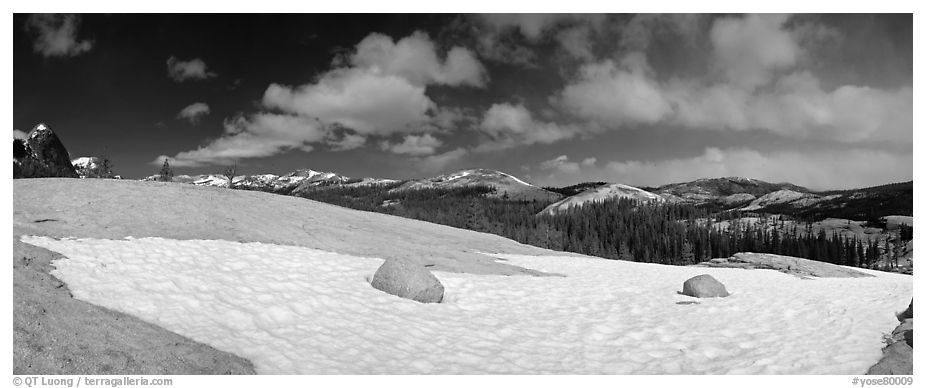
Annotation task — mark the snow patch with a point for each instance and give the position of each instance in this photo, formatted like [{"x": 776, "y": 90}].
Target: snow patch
[
  {"x": 516, "y": 179},
  {"x": 599, "y": 194},
  {"x": 294, "y": 310},
  {"x": 782, "y": 197}
]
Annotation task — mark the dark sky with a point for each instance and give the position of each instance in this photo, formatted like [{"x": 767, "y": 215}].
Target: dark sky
[{"x": 823, "y": 101}]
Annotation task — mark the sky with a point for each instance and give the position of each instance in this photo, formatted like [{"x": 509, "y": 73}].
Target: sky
[{"x": 822, "y": 101}]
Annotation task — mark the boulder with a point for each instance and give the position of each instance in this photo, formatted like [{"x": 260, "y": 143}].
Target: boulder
[
  {"x": 802, "y": 268},
  {"x": 704, "y": 286},
  {"x": 41, "y": 155},
  {"x": 898, "y": 354},
  {"x": 897, "y": 360},
  {"x": 409, "y": 280}
]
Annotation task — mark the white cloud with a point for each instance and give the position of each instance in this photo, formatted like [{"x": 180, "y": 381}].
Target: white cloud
[
  {"x": 824, "y": 169},
  {"x": 194, "y": 112},
  {"x": 348, "y": 141},
  {"x": 794, "y": 104},
  {"x": 749, "y": 49},
  {"x": 820, "y": 169},
  {"x": 259, "y": 135},
  {"x": 589, "y": 162},
  {"x": 534, "y": 26},
  {"x": 56, "y": 35},
  {"x": 510, "y": 38},
  {"x": 415, "y": 59},
  {"x": 638, "y": 33},
  {"x": 615, "y": 94},
  {"x": 362, "y": 100},
  {"x": 194, "y": 69},
  {"x": 513, "y": 125},
  {"x": 414, "y": 145},
  {"x": 380, "y": 94},
  {"x": 576, "y": 42},
  {"x": 560, "y": 164},
  {"x": 17, "y": 134}
]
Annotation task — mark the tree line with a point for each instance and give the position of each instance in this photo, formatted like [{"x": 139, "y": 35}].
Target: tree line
[{"x": 624, "y": 229}]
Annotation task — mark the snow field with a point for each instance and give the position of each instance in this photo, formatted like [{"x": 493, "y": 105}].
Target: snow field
[{"x": 294, "y": 310}]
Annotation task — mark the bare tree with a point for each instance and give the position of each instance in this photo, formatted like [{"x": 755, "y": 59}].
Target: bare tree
[{"x": 230, "y": 172}]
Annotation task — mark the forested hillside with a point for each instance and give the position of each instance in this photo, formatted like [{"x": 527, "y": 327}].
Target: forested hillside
[{"x": 665, "y": 233}]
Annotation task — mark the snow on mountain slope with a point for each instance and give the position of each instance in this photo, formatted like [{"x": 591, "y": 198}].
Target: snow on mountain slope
[
  {"x": 294, "y": 310},
  {"x": 293, "y": 182},
  {"x": 782, "y": 197},
  {"x": 85, "y": 162},
  {"x": 212, "y": 180},
  {"x": 712, "y": 189},
  {"x": 505, "y": 184},
  {"x": 598, "y": 194},
  {"x": 737, "y": 198}
]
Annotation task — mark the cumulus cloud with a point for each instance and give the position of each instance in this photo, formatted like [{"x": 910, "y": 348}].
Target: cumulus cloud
[
  {"x": 17, "y": 134},
  {"x": 534, "y": 26},
  {"x": 513, "y": 125},
  {"x": 56, "y": 35},
  {"x": 414, "y": 145},
  {"x": 194, "y": 69},
  {"x": 254, "y": 136},
  {"x": 348, "y": 141},
  {"x": 616, "y": 93},
  {"x": 576, "y": 42},
  {"x": 749, "y": 49},
  {"x": 367, "y": 102},
  {"x": 589, "y": 162},
  {"x": 377, "y": 91},
  {"x": 511, "y": 38},
  {"x": 797, "y": 106},
  {"x": 384, "y": 91},
  {"x": 560, "y": 164},
  {"x": 822, "y": 170},
  {"x": 638, "y": 33},
  {"x": 792, "y": 103},
  {"x": 415, "y": 59},
  {"x": 194, "y": 112}
]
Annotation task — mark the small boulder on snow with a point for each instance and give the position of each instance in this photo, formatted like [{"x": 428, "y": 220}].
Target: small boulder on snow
[
  {"x": 704, "y": 286},
  {"x": 408, "y": 280}
]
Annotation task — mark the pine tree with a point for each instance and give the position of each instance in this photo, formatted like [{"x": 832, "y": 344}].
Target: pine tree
[
  {"x": 688, "y": 256},
  {"x": 167, "y": 174},
  {"x": 624, "y": 252}
]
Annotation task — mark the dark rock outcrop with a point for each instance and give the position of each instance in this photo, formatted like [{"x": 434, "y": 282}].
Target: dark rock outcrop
[
  {"x": 898, "y": 354},
  {"x": 908, "y": 313},
  {"x": 704, "y": 286},
  {"x": 41, "y": 155},
  {"x": 408, "y": 280}
]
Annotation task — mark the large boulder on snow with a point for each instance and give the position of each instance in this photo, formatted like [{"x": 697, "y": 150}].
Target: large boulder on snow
[
  {"x": 41, "y": 155},
  {"x": 408, "y": 280},
  {"x": 704, "y": 286}
]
